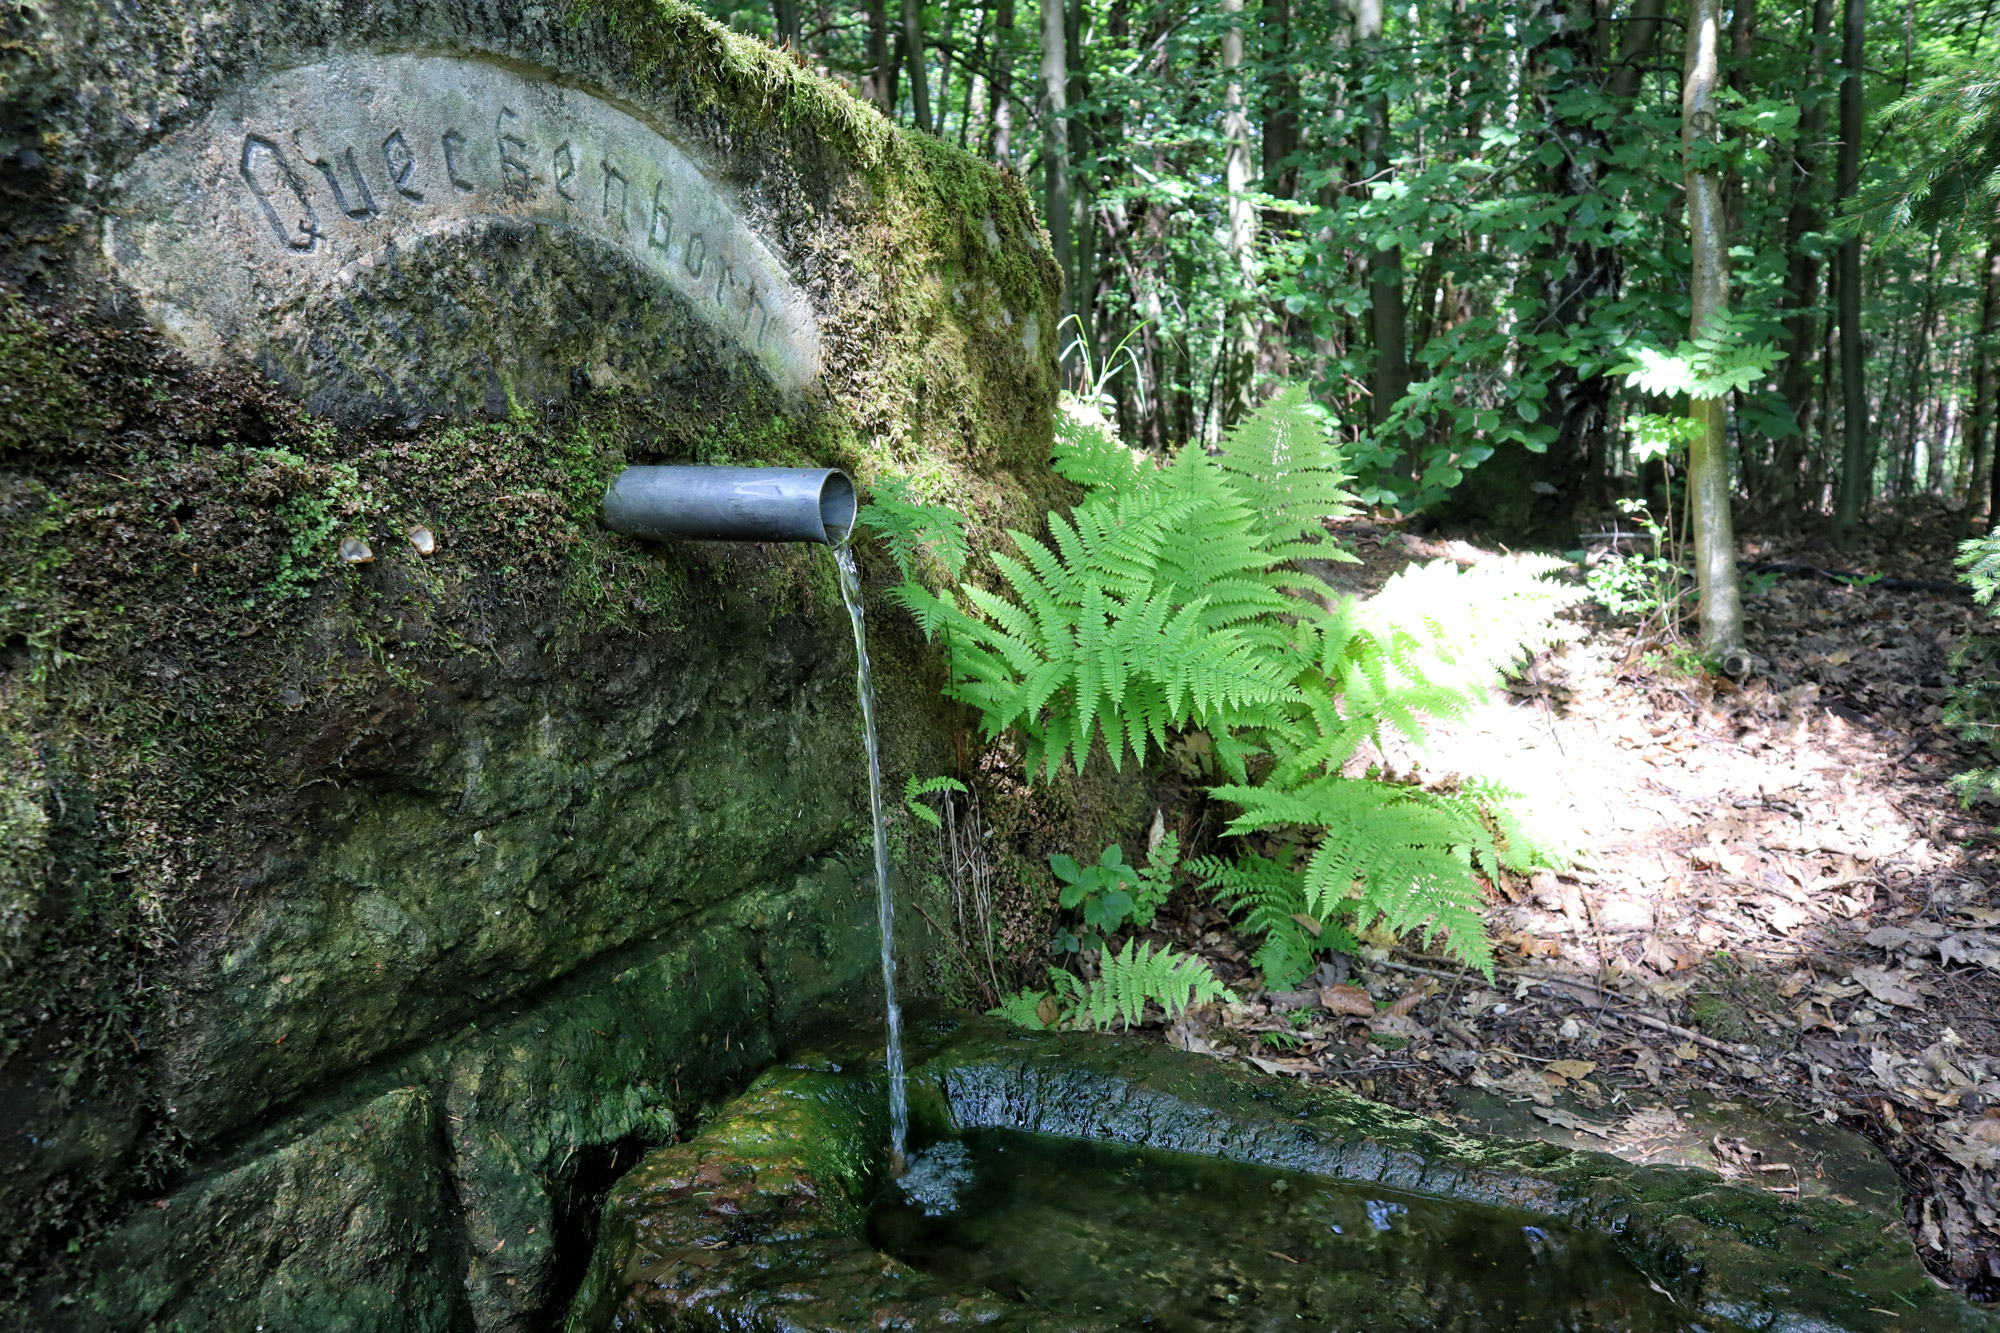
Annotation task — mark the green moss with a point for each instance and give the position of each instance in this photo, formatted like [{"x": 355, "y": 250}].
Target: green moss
[
  {"x": 1716, "y": 1015},
  {"x": 42, "y": 393},
  {"x": 739, "y": 75}
]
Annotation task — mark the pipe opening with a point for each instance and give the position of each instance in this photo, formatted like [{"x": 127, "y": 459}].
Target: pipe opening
[{"x": 836, "y": 507}]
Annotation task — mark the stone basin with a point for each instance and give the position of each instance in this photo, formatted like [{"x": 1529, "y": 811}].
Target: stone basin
[{"x": 1070, "y": 1181}]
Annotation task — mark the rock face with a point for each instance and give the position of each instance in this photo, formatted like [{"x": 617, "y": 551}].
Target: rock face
[{"x": 388, "y": 855}]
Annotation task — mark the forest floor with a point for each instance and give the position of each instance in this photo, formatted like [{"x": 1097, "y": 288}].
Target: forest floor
[{"x": 1783, "y": 931}]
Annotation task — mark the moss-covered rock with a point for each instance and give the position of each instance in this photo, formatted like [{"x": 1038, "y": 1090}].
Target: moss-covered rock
[{"x": 513, "y": 833}]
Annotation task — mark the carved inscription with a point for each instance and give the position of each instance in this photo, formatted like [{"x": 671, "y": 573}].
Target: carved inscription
[{"x": 282, "y": 196}]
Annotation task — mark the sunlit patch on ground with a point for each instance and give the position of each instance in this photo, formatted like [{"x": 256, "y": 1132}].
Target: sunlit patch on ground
[{"x": 1778, "y": 905}]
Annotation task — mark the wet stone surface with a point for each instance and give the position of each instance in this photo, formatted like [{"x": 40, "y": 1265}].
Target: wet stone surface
[
  {"x": 1073, "y": 1182},
  {"x": 1185, "y": 1244}
]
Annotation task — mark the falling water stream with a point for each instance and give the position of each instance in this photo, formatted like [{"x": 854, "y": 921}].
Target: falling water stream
[{"x": 899, "y": 1111}]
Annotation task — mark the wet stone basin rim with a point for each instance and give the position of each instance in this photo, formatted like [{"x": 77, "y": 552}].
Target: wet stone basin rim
[{"x": 780, "y": 1179}]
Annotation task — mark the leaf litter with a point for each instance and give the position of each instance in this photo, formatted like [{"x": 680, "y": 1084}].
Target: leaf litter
[{"x": 1779, "y": 892}]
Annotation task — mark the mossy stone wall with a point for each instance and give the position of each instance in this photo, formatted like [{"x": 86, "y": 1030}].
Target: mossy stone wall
[{"x": 361, "y": 920}]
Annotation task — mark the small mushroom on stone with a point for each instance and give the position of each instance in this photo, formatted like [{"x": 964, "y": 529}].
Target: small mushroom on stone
[
  {"x": 354, "y": 551},
  {"x": 423, "y": 539}
]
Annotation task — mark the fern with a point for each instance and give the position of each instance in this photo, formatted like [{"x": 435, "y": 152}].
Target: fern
[
  {"x": 917, "y": 787},
  {"x": 1126, "y": 982},
  {"x": 1172, "y": 598},
  {"x": 1972, "y": 707},
  {"x": 915, "y": 532},
  {"x": 1022, "y": 1009},
  {"x": 1271, "y": 895},
  {"x": 1400, "y": 855}
]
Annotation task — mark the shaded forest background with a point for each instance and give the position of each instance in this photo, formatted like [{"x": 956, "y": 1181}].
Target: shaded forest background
[{"x": 1455, "y": 221}]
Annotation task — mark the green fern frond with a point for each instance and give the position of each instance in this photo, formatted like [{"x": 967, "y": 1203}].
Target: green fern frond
[
  {"x": 1397, "y": 855},
  {"x": 917, "y": 787},
  {"x": 1285, "y": 467},
  {"x": 1270, "y": 896},
  {"x": 1130, "y": 978},
  {"x": 1087, "y": 450},
  {"x": 1022, "y": 1008}
]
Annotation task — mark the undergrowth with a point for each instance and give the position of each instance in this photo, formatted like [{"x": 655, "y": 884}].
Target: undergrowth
[{"x": 1173, "y": 600}]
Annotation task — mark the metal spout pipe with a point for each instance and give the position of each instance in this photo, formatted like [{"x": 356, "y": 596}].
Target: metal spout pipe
[{"x": 732, "y": 504}]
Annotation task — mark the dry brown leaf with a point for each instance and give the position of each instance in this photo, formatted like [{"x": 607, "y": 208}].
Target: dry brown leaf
[
  {"x": 1408, "y": 1001},
  {"x": 1570, "y": 1069},
  {"x": 1309, "y": 924},
  {"x": 1889, "y": 987},
  {"x": 1397, "y": 1025},
  {"x": 1346, "y": 999},
  {"x": 1521, "y": 1083},
  {"x": 1976, "y": 1147}
]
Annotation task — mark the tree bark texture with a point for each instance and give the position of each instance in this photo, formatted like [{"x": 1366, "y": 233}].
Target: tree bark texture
[
  {"x": 1055, "y": 144},
  {"x": 1239, "y": 371},
  {"x": 878, "y": 57},
  {"x": 1385, "y": 263},
  {"x": 1984, "y": 441},
  {"x": 786, "y": 13},
  {"x": 1579, "y": 276},
  {"x": 1802, "y": 277},
  {"x": 1855, "y": 469},
  {"x": 1708, "y": 452},
  {"x": 1281, "y": 102},
  {"x": 1001, "y": 146},
  {"x": 913, "y": 45}
]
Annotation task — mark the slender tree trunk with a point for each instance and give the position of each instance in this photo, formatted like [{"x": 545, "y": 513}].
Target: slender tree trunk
[
  {"x": 1239, "y": 348},
  {"x": 1281, "y": 102},
  {"x": 1855, "y": 469},
  {"x": 1385, "y": 263},
  {"x": 1742, "y": 50},
  {"x": 1708, "y": 453},
  {"x": 1802, "y": 272},
  {"x": 1001, "y": 146},
  {"x": 913, "y": 47},
  {"x": 1642, "y": 34},
  {"x": 1984, "y": 431},
  {"x": 878, "y": 57},
  {"x": 1055, "y": 143},
  {"x": 786, "y": 12}
]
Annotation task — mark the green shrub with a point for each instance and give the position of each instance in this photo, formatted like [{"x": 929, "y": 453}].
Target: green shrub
[{"x": 1973, "y": 708}]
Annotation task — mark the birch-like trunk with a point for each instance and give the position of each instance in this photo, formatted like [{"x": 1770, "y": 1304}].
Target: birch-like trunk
[
  {"x": 1856, "y": 467},
  {"x": 1385, "y": 264},
  {"x": 1239, "y": 370},
  {"x": 1984, "y": 439},
  {"x": 1708, "y": 452},
  {"x": 1055, "y": 143}
]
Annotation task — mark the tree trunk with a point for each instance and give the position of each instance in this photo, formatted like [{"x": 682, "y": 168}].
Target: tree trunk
[
  {"x": 786, "y": 12},
  {"x": 1055, "y": 143},
  {"x": 1385, "y": 263},
  {"x": 1239, "y": 370},
  {"x": 878, "y": 57},
  {"x": 1708, "y": 453},
  {"x": 1642, "y": 34},
  {"x": 1802, "y": 273},
  {"x": 1001, "y": 148},
  {"x": 1742, "y": 49},
  {"x": 1984, "y": 432},
  {"x": 913, "y": 46},
  {"x": 1281, "y": 102},
  {"x": 1854, "y": 461}
]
